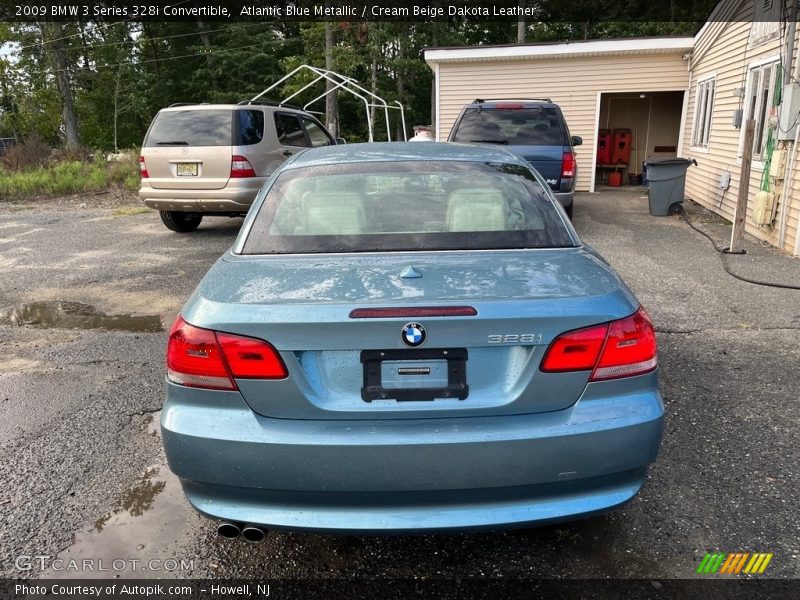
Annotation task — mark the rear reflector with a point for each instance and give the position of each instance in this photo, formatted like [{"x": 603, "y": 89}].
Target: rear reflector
[
  {"x": 207, "y": 359},
  {"x": 241, "y": 167},
  {"x": 621, "y": 348},
  {"x": 143, "y": 168},
  {"x": 568, "y": 165},
  {"x": 418, "y": 311}
]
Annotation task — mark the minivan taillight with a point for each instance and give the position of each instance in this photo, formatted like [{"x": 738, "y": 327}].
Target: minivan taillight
[
  {"x": 143, "y": 168},
  {"x": 241, "y": 167},
  {"x": 622, "y": 348},
  {"x": 568, "y": 164},
  {"x": 203, "y": 358}
]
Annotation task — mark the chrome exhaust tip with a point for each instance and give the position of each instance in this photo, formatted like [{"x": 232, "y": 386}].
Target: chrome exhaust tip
[
  {"x": 253, "y": 534},
  {"x": 230, "y": 531}
]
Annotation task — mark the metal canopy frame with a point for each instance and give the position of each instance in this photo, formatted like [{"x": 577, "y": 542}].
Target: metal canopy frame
[{"x": 347, "y": 84}]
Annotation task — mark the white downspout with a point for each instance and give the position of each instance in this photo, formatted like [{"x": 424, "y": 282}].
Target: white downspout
[
  {"x": 438, "y": 106},
  {"x": 685, "y": 108},
  {"x": 593, "y": 180}
]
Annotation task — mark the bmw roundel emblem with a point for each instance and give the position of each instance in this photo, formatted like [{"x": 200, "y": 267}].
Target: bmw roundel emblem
[{"x": 414, "y": 334}]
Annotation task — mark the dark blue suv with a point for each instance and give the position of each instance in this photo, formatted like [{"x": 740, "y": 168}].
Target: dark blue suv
[{"x": 533, "y": 128}]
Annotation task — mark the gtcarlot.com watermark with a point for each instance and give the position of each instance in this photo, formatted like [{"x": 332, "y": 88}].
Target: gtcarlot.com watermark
[{"x": 43, "y": 563}]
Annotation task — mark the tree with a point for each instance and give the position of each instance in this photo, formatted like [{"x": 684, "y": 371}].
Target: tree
[{"x": 53, "y": 38}]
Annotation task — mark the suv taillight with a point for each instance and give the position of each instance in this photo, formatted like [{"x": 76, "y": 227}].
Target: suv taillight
[
  {"x": 212, "y": 360},
  {"x": 621, "y": 348},
  {"x": 241, "y": 167},
  {"x": 568, "y": 164},
  {"x": 143, "y": 168}
]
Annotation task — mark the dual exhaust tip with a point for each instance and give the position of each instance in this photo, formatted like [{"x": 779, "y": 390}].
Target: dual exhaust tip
[{"x": 249, "y": 533}]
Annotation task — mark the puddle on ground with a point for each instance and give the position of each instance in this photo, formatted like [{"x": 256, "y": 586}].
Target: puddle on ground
[
  {"x": 76, "y": 315},
  {"x": 138, "y": 499},
  {"x": 135, "y": 540},
  {"x": 150, "y": 425}
]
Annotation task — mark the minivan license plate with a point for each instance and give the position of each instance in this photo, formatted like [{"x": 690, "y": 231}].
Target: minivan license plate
[{"x": 187, "y": 169}]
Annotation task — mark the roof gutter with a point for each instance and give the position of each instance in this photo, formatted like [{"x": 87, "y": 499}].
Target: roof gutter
[{"x": 664, "y": 45}]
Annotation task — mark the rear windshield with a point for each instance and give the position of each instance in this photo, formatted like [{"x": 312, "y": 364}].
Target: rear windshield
[
  {"x": 207, "y": 128},
  {"x": 517, "y": 126},
  {"x": 406, "y": 206},
  {"x": 191, "y": 128}
]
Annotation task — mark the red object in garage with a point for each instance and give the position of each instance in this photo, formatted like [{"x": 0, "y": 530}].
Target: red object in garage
[
  {"x": 615, "y": 179},
  {"x": 621, "y": 153},
  {"x": 604, "y": 147}
]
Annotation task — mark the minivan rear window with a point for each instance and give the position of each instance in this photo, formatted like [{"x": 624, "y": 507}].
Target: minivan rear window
[
  {"x": 191, "y": 127},
  {"x": 516, "y": 127}
]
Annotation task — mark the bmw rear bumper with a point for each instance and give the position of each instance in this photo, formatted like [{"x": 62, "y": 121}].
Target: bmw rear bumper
[{"x": 415, "y": 474}]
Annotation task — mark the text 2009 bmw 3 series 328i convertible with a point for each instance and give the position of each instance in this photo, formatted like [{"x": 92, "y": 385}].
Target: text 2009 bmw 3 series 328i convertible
[{"x": 409, "y": 337}]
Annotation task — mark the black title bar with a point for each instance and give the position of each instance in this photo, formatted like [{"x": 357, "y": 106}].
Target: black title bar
[{"x": 576, "y": 11}]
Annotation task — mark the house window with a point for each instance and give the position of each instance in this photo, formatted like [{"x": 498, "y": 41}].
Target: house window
[
  {"x": 704, "y": 106},
  {"x": 759, "y": 103}
]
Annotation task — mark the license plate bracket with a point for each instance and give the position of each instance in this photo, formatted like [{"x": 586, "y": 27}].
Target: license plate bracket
[{"x": 374, "y": 389}]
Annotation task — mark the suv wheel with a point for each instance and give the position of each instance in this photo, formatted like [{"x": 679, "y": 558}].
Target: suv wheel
[
  {"x": 569, "y": 210},
  {"x": 181, "y": 222}
]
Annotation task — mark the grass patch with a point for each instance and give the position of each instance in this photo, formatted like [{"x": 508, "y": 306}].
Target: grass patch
[
  {"x": 69, "y": 177},
  {"x": 130, "y": 211}
]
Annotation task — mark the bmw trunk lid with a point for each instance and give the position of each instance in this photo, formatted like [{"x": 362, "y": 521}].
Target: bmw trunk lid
[{"x": 319, "y": 313}]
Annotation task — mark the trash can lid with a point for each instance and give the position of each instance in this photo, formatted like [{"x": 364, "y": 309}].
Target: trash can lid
[{"x": 671, "y": 161}]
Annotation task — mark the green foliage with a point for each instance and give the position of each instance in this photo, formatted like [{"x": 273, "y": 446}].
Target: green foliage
[
  {"x": 125, "y": 171},
  {"x": 70, "y": 176},
  {"x": 66, "y": 177},
  {"x": 122, "y": 73}
]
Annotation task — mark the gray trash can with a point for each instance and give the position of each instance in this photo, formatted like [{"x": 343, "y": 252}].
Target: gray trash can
[{"x": 667, "y": 179}]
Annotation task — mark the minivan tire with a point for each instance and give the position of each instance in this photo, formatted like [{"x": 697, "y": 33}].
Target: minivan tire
[{"x": 182, "y": 222}]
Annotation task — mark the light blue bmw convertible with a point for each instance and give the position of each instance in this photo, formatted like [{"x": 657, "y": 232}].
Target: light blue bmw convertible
[{"x": 403, "y": 338}]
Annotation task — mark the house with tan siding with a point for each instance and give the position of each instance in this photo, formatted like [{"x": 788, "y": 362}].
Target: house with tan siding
[
  {"x": 735, "y": 69},
  {"x": 678, "y": 96}
]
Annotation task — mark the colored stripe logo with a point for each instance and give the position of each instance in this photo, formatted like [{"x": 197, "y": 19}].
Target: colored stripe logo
[{"x": 734, "y": 563}]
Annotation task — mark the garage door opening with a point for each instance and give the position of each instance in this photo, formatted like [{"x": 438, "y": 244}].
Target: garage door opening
[{"x": 632, "y": 129}]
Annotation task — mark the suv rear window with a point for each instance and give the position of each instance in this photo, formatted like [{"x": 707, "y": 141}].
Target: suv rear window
[
  {"x": 406, "y": 206},
  {"x": 191, "y": 127},
  {"x": 518, "y": 126}
]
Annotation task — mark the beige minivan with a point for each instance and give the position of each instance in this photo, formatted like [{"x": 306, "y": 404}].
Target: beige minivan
[{"x": 211, "y": 159}]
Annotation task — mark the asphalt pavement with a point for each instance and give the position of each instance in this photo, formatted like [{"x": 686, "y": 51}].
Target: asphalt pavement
[{"x": 86, "y": 297}]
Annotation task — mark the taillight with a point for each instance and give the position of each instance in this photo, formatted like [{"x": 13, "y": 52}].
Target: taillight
[
  {"x": 630, "y": 348},
  {"x": 621, "y": 348},
  {"x": 203, "y": 358},
  {"x": 568, "y": 165},
  {"x": 241, "y": 167},
  {"x": 575, "y": 350},
  {"x": 143, "y": 168},
  {"x": 250, "y": 358}
]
